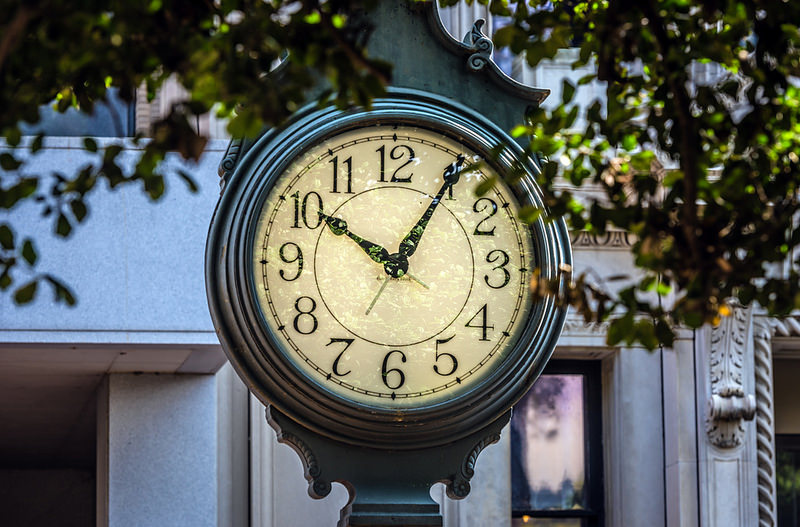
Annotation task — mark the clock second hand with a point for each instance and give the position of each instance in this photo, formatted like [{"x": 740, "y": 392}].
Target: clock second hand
[
  {"x": 417, "y": 280},
  {"x": 386, "y": 282},
  {"x": 380, "y": 292}
]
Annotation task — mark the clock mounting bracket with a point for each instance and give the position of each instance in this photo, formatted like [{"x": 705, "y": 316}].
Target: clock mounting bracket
[{"x": 386, "y": 487}]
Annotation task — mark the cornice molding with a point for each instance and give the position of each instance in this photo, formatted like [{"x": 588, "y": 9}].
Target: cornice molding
[{"x": 620, "y": 240}]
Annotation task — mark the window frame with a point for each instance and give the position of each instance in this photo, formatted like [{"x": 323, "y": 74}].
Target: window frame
[{"x": 593, "y": 515}]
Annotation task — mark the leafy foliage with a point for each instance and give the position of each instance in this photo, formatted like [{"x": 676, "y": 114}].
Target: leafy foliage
[
  {"x": 703, "y": 171},
  {"x": 71, "y": 54}
]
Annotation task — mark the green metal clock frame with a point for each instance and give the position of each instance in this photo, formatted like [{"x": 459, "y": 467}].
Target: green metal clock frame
[{"x": 254, "y": 350}]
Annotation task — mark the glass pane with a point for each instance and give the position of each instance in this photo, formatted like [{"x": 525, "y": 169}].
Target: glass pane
[
  {"x": 547, "y": 438},
  {"x": 527, "y": 521}
]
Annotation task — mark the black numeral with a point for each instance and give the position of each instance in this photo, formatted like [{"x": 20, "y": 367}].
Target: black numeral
[
  {"x": 298, "y": 257},
  {"x": 450, "y": 357},
  {"x": 348, "y": 163},
  {"x": 482, "y": 205},
  {"x": 301, "y": 210},
  {"x": 385, "y": 371},
  {"x": 335, "y": 368},
  {"x": 499, "y": 254},
  {"x": 483, "y": 326},
  {"x": 396, "y": 153},
  {"x": 307, "y": 313}
]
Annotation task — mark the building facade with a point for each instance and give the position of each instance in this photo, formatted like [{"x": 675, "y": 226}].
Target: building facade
[{"x": 123, "y": 411}]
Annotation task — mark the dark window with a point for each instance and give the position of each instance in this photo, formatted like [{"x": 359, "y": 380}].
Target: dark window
[
  {"x": 114, "y": 118},
  {"x": 556, "y": 449},
  {"x": 788, "y": 479}
]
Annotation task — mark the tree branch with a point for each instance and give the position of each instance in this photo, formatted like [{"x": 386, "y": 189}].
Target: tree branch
[
  {"x": 677, "y": 81},
  {"x": 14, "y": 32}
]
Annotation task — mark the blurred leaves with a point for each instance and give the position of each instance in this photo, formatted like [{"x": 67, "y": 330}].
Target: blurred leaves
[
  {"x": 251, "y": 62},
  {"x": 693, "y": 149}
]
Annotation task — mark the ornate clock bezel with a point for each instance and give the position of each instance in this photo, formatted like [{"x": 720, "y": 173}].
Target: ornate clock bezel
[{"x": 253, "y": 349}]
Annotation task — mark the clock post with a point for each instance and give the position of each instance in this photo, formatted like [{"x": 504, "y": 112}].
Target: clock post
[{"x": 365, "y": 293}]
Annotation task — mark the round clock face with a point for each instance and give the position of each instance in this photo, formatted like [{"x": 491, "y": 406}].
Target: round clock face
[{"x": 382, "y": 276}]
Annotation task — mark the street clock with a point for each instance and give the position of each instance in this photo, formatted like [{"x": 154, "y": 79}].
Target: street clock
[{"x": 369, "y": 275}]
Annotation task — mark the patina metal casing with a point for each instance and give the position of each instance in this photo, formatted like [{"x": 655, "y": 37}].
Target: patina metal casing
[
  {"x": 387, "y": 458},
  {"x": 253, "y": 349}
]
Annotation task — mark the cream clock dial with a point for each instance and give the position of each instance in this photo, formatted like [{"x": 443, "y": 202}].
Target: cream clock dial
[{"x": 382, "y": 276}]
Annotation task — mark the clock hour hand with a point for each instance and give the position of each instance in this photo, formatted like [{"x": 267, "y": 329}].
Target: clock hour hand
[
  {"x": 451, "y": 175},
  {"x": 395, "y": 265},
  {"x": 338, "y": 227}
]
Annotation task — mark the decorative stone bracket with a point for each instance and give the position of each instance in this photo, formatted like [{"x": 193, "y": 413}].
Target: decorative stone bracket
[{"x": 728, "y": 406}]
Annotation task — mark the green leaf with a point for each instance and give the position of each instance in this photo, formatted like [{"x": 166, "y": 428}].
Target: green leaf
[
  {"x": 615, "y": 333},
  {"x": 29, "y": 253},
  {"x": 520, "y": 130},
  {"x": 9, "y": 162},
  {"x": 485, "y": 186},
  {"x": 13, "y": 136},
  {"x": 25, "y": 294},
  {"x": 567, "y": 91},
  {"x": 664, "y": 333},
  {"x": 78, "y": 209},
  {"x": 6, "y": 237},
  {"x": 61, "y": 292},
  {"x": 645, "y": 334},
  {"x": 529, "y": 214},
  {"x": 189, "y": 180},
  {"x": 36, "y": 144},
  {"x": 629, "y": 142},
  {"x": 90, "y": 144},
  {"x": 63, "y": 227}
]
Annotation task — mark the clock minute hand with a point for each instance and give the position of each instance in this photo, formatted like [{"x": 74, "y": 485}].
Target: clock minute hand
[
  {"x": 338, "y": 227},
  {"x": 451, "y": 175}
]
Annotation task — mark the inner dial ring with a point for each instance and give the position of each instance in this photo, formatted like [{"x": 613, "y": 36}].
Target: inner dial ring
[
  {"x": 373, "y": 186},
  {"x": 405, "y": 312}
]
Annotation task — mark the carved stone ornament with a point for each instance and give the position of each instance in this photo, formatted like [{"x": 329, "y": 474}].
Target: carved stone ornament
[
  {"x": 609, "y": 240},
  {"x": 729, "y": 406},
  {"x": 577, "y": 327}
]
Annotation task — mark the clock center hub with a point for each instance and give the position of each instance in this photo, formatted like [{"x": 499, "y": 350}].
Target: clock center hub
[{"x": 419, "y": 296}]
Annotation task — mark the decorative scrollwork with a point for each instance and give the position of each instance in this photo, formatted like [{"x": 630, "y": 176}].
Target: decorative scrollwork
[
  {"x": 728, "y": 406},
  {"x": 317, "y": 487},
  {"x": 228, "y": 162},
  {"x": 480, "y": 44},
  {"x": 459, "y": 487}
]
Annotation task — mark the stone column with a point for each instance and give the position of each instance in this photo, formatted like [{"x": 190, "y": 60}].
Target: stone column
[
  {"x": 157, "y": 447},
  {"x": 680, "y": 431}
]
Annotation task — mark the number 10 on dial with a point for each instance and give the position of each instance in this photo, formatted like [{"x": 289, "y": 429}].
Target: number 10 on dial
[{"x": 381, "y": 274}]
